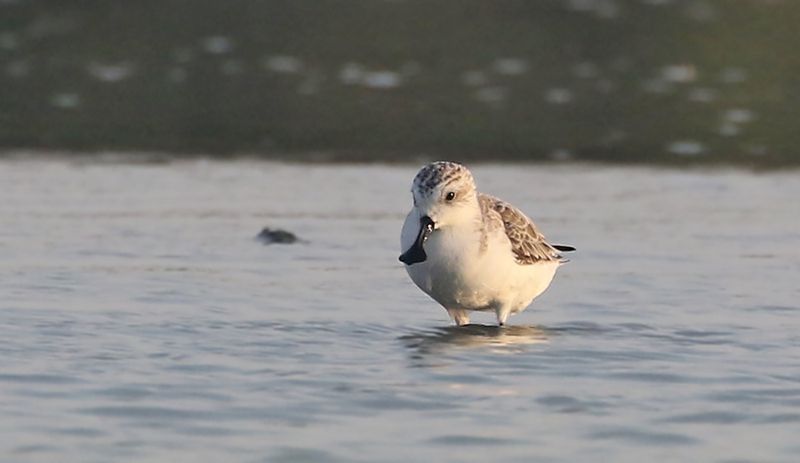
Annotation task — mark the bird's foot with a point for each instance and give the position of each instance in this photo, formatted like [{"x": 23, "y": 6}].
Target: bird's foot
[
  {"x": 459, "y": 316},
  {"x": 502, "y": 314}
]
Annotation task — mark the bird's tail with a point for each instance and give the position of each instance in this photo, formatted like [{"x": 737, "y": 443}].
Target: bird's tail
[{"x": 563, "y": 248}]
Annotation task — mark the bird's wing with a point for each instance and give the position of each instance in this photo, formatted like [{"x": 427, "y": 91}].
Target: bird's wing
[{"x": 527, "y": 243}]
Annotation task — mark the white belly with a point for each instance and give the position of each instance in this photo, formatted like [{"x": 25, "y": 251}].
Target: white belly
[{"x": 458, "y": 275}]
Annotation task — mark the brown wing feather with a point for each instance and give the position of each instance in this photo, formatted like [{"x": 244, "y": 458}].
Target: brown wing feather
[{"x": 527, "y": 243}]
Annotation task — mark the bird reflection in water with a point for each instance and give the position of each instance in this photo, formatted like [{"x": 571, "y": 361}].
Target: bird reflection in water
[{"x": 494, "y": 338}]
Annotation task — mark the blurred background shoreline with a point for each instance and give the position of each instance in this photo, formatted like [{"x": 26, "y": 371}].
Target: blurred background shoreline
[{"x": 665, "y": 82}]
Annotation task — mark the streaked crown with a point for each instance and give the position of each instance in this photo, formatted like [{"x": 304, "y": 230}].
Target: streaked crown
[{"x": 441, "y": 175}]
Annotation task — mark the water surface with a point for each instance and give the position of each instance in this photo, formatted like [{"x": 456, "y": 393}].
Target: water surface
[{"x": 142, "y": 322}]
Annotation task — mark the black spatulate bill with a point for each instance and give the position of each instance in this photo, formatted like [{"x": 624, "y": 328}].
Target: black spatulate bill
[{"x": 416, "y": 253}]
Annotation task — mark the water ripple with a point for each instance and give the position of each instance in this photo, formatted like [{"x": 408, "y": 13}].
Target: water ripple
[
  {"x": 639, "y": 437},
  {"x": 716, "y": 417},
  {"x": 567, "y": 404},
  {"x": 461, "y": 440},
  {"x": 38, "y": 378}
]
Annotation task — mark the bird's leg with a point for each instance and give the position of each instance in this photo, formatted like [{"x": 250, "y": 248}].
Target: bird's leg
[
  {"x": 460, "y": 316},
  {"x": 502, "y": 313}
]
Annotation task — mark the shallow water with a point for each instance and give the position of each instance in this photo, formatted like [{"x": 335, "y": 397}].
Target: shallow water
[{"x": 142, "y": 322}]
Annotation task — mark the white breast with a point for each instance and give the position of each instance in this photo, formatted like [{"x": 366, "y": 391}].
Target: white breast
[{"x": 457, "y": 274}]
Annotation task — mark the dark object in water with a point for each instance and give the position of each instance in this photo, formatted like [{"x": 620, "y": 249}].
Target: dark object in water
[
  {"x": 563, "y": 248},
  {"x": 272, "y": 236}
]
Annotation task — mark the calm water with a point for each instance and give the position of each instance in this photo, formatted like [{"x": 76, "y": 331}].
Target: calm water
[{"x": 141, "y": 321}]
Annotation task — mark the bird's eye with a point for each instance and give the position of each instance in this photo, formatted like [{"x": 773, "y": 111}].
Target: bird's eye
[{"x": 450, "y": 196}]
